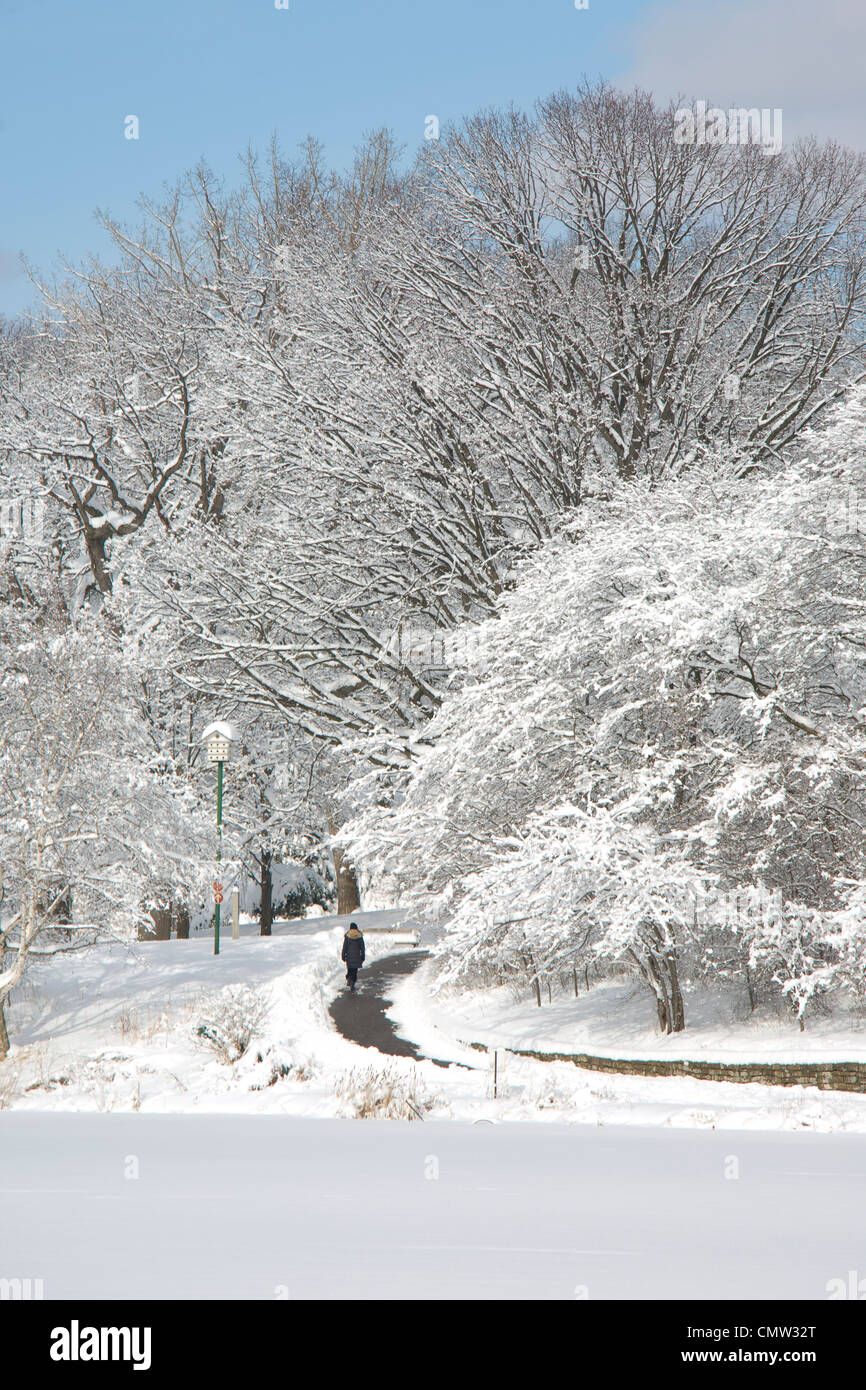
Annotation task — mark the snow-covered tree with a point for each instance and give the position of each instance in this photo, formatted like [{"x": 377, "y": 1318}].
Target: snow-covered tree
[
  {"x": 641, "y": 300},
  {"x": 682, "y": 665},
  {"x": 93, "y": 818},
  {"x": 303, "y": 418}
]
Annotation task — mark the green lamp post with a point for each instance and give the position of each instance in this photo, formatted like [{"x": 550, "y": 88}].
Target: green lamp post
[{"x": 218, "y": 739}]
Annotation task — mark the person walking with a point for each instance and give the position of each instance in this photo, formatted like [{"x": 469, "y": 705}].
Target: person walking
[{"x": 354, "y": 954}]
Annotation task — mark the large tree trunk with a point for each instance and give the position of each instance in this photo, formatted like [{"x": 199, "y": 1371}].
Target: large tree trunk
[
  {"x": 95, "y": 542},
  {"x": 4, "y": 1032},
  {"x": 161, "y": 929},
  {"x": 181, "y": 920},
  {"x": 678, "y": 1010},
  {"x": 663, "y": 977},
  {"x": 267, "y": 883},
  {"x": 348, "y": 893},
  {"x": 348, "y": 896}
]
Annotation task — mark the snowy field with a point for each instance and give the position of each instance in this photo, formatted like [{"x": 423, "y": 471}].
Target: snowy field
[
  {"x": 116, "y": 1030},
  {"x": 253, "y": 1178},
  {"x": 134, "y": 1206}
]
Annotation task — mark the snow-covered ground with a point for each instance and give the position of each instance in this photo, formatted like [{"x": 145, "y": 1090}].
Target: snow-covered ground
[
  {"x": 192, "y": 1206},
  {"x": 116, "y": 1030},
  {"x": 615, "y": 1019}
]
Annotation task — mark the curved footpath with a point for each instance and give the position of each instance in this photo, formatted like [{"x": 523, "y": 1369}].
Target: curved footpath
[{"x": 362, "y": 1018}]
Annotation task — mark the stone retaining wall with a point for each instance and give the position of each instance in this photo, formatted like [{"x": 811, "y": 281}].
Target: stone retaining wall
[{"x": 827, "y": 1076}]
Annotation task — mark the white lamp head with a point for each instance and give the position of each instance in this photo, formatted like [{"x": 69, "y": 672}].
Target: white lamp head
[{"x": 218, "y": 739}]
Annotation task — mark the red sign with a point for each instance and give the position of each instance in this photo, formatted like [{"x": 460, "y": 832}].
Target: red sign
[{"x": 217, "y": 891}]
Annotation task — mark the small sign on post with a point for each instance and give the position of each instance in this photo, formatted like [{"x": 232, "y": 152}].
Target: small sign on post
[{"x": 236, "y": 913}]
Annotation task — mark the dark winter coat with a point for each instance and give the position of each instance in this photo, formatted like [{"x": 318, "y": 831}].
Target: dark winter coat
[{"x": 354, "y": 950}]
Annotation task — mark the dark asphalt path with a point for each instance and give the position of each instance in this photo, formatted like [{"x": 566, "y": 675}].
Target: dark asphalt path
[{"x": 361, "y": 1017}]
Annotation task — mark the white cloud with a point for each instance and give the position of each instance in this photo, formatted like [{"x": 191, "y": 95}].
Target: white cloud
[{"x": 805, "y": 56}]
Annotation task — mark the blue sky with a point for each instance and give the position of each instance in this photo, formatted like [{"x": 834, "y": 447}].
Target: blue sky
[{"x": 207, "y": 77}]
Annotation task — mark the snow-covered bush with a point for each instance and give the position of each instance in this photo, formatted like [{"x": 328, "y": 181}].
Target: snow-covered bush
[
  {"x": 229, "y": 1021},
  {"x": 270, "y": 1068}
]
